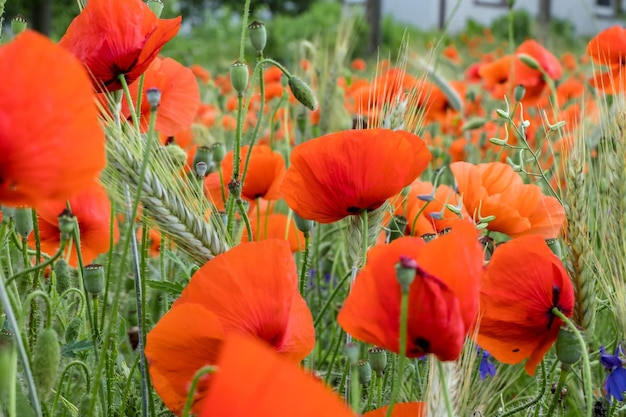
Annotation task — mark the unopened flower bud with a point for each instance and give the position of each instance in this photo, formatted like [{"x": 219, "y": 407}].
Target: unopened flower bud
[
  {"x": 258, "y": 35},
  {"x": 18, "y": 24},
  {"x": 66, "y": 224},
  {"x": 219, "y": 152},
  {"x": 497, "y": 141},
  {"x": 474, "y": 123},
  {"x": 397, "y": 227},
  {"x": 175, "y": 154},
  {"x": 63, "y": 276},
  {"x": 365, "y": 372},
  {"x": 93, "y": 277},
  {"x": 239, "y": 76},
  {"x": 153, "y": 95},
  {"x": 46, "y": 360},
  {"x": 378, "y": 359},
  {"x": 156, "y": 6},
  {"x": 72, "y": 331},
  {"x": 302, "y": 92},
  {"x": 529, "y": 61},
  {"x": 303, "y": 225},
  {"x": 202, "y": 161},
  {"x": 519, "y": 92},
  {"x": 503, "y": 114},
  {"x": 568, "y": 350},
  {"x": 24, "y": 221},
  {"x": 405, "y": 272},
  {"x": 352, "y": 353}
]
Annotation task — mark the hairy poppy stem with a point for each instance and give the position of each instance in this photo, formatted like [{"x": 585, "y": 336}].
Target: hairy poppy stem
[
  {"x": 244, "y": 27},
  {"x": 41, "y": 265},
  {"x": 559, "y": 387},
  {"x": 586, "y": 364},
  {"x": 404, "y": 315},
  {"x": 305, "y": 262},
  {"x": 542, "y": 391},
  {"x": 192, "y": 389}
]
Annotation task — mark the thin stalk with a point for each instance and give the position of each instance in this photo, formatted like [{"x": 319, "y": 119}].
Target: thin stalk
[
  {"x": 244, "y": 27},
  {"x": 404, "y": 313},
  {"x": 444, "y": 387},
  {"x": 559, "y": 388},
  {"x": 44, "y": 264},
  {"x": 305, "y": 262},
  {"x": 194, "y": 383}
]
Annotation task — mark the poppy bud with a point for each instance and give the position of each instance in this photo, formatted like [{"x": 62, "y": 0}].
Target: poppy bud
[
  {"x": 352, "y": 353},
  {"x": 474, "y": 123},
  {"x": 519, "y": 92},
  {"x": 303, "y": 225},
  {"x": 239, "y": 76},
  {"x": 93, "y": 277},
  {"x": 62, "y": 274},
  {"x": 258, "y": 35},
  {"x": 503, "y": 114},
  {"x": 397, "y": 227},
  {"x": 6, "y": 366},
  {"x": 46, "y": 360},
  {"x": 378, "y": 359},
  {"x": 529, "y": 61},
  {"x": 18, "y": 24},
  {"x": 156, "y": 6},
  {"x": 365, "y": 372},
  {"x": 302, "y": 92},
  {"x": 24, "y": 221},
  {"x": 153, "y": 95},
  {"x": 8, "y": 213},
  {"x": 203, "y": 161},
  {"x": 72, "y": 331},
  {"x": 219, "y": 152},
  {"x": 176, "y": 155},
  {"x": 66, "y": 224},
  {"x": 498, "y": 142},
  {"x": 568, "y": 350},
  {"x": 405, "y": 272}
]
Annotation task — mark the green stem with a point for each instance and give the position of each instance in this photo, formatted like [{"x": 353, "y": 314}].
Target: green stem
[
  {"x": 235, "y": 192},
  {"x": 444, "y": 388},
  {"x": 41, "y": 265},
  {"x": 246, "y": 220},
  {"x": 559, "y": 387},
  {"x": 404, "y": 313},
  {"x": 330, "y": 299},
  {"x": 542, "y": 391},
  {"x": 305, "y": 262},
  {"x": 129, "y": 101},
  {"x": 194, "y": 383},
  {"x": 39, "y": 293},
  {"x": 244, "y": 27},
  {"x": 586, "y": 363}
]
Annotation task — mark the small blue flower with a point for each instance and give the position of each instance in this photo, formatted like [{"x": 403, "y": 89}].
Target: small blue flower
[
  {"x": 615, "y": 384},
  {"x": 486, "y": 367}
]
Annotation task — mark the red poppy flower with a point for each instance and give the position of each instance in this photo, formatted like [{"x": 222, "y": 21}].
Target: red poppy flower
[
  {"x": 251, "y": 289},
  {"x": 252, "y": 380},
  {"x": 113, "y": 38},
  {"x": 414, "y": 409},
  {"x": 51, "y": 143},
  {"x": 265, "y": 175},
  {"x": 180, "y": 96},
  {"x": 443, "y": 298},
  {"x": 345, "y": 173},
  {"x": 92, "y": 209},
  {"x": 494, "y": 189},
  {"x": 521, "y": 285},
  {"x": 275, "y": 226},
  {"x": 609, "y": 48}
]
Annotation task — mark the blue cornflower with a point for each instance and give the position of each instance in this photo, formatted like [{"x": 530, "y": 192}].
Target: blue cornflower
[
  {"x": 615, "y": 384},
  {"x": 486, "y": 367}
]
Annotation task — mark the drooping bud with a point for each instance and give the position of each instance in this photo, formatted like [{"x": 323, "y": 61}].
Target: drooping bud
[
  {"x": 72, "y": 331},
  {"x": 529, "y": 61},
  {"x": 568, "y": 350},
  {"x": 258, "y": 35},
  {"x": 405, "y": 272},
  {"x": 303, "y": 225},
  {"x": 24, "y": 221},
  {"x": 63, "y": 276},
  {"x": 93, "y": 277},
  {"x": 397, "y": 227},
  {"x": 519, "y": 92},
  {"x": 365, "y": 372},
  {"x": 46, "y": 360},
  {"x": 156, "y": 6},
  {"x": 175, "y": 154},
  {"x": 153, "y": 95},
  {"x": 66, "y": 224},
  {"x": 239, "y": 76},
  {"x": 302, "y": 92},
  {"x": 18, "y": 24},
  {"x": 378, "y": 360}
]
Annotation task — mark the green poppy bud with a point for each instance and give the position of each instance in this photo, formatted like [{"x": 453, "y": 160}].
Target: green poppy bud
[
  {"x": 63, "y": 276},
  {"x": 239, "y": 76},
  {"x": 406, "y": 270},
  {"x": 93, "y": 277},
  {"x": 219, "y": 152},
  {"x": 529, "y": 61},
  {"x": 474, "y": 123},
  {"x": 258, "y": 35},
  {"x": 66, "y": 224},
  {"x": 46, "y": 360},
  {"x": 519, "y": 92},
  {"x": 302, "y": 92},
  {"x": 72, "y": 331},
  {"x": 303, "y": 225},
  {"x": 175, "y": 154},
  {"x": 24, "y": 221}
]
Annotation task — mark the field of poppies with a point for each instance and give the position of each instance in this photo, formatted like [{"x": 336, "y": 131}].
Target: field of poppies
[{"x": 440, "y": 234}]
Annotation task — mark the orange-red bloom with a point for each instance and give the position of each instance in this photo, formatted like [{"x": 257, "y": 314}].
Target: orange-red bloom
[
  {"x": 443, "y": 298},
  {"x": 113, "y": 38},
  {"x": 252, "y": 380},
  {"x": 521, "y": 285},
  {"x": 92, "y": 209},
  {"x": 275, "y": 226},
  {"x": 609, "y": 48},
  {"x": 251, "y": 289},
  {"x": 414, "y": 409},
  {"x": 180, "y": 97},
  {"x": 494, "y": 189},
  {"x": 345, "y": 173},
  {"x": 51, "y": 143}
]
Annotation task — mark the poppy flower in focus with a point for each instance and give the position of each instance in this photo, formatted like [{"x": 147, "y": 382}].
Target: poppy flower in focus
[
  {"x": 180, "y": 97},
  {"x": 533, "y": 79},
  {"x": 521, "y": 285},
  {"x": 51, "y": 143},
  {"x": 92, "y": 209},
  {"x": 265, "y": 174},
  {"x": 345, "y": 173},
  {"x": 443, "y": 298},
  {"x": 113, "y": 38},
  {"x": 251, "y": 289},
  {"x": 414, "y": 409},
  {"x": 608, "y": 48},
  {"x": 494, "y": 189},
  {"x": 252, "y": 380}
]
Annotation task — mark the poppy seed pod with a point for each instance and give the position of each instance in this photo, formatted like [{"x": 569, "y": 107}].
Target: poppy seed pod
[
  {"x": 219, "y": 152},
  {"x": 302, "y": 92},
  {"x": 18, "y": 24},
  {"x": 24, "y": 221},
  {"x": 66, "y": 224},
  {"x": 568, "y": 350},
  {"x": 46, "y": 359},
  {"x": 351, "y": 351},
  {"x": 62, "y": 274},
  {"x": 303, "y": 225},
  {"x": 519, "y": 92},
  {"x": 405, "y": 272},
  {"x": 203, "y": 161},
  {"x": 258, "y": 35},
  {"x": 365, "y": 372},
  {"x": 156, "y": 6},
  {"x": 378, "y": 359},
  {"x": 239, "y": 76},
  {"x": 93, "y": 277},
  {"x": 153, "y": 95}
]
